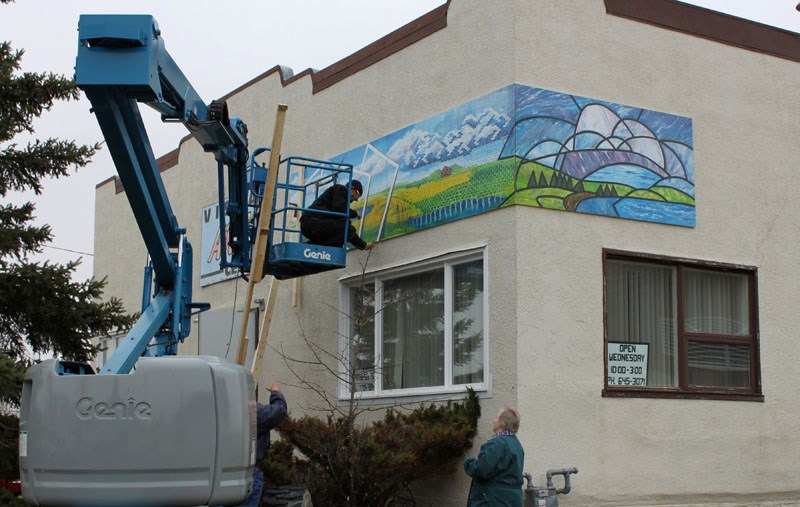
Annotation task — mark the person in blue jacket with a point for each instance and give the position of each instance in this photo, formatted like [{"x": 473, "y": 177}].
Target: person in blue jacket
[
  {"x": 497, "y": 471},
  {"x": 267, "y": 418}
]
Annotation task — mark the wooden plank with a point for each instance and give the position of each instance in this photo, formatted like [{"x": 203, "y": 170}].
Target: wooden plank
[
  {"x": 258, "y": 357},
  {"x": 241, "y": 351},
  {"x": 297, "y": 283},
  {"x": 262, "y": 234},
  {"x": 297, "y": 290}
]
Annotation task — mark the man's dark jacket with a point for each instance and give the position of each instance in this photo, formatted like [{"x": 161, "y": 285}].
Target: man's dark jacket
[
  {"x": 320, "y": 227},
  {"x": 335, "y": 198},
  {"x": 267, "y": 418}
]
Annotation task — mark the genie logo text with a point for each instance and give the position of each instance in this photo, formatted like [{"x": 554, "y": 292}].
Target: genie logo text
[
  {"x": 87, "y": 408},
  {"x": 320, "y": 256}
]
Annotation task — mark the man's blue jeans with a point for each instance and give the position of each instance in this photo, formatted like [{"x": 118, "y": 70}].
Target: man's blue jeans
[{"x": 258, "y": 488}]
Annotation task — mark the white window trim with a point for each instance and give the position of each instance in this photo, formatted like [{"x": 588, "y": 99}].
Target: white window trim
[{"x": 447, "y": 262}]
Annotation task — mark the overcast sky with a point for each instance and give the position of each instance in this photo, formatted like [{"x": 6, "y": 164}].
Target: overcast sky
[{"x": 219, "y": 46}]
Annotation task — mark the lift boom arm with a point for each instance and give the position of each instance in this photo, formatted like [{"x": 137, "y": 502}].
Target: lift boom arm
[
  {"x": 122, "y": 61},
  {"x": 181, "y": 429}
]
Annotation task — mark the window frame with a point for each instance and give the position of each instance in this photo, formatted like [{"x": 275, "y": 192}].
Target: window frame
[
  {"x": 683, "y": 390},
  {"x": 446, "y": 262}
]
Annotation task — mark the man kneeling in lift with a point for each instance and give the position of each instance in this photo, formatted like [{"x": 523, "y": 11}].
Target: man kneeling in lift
[{"x": 328, "y": 230}]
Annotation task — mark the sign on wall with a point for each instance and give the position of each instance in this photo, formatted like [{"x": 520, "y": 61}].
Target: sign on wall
[
  {"x": 627, "y": 364},
  {"x": 210, "y": 248}
]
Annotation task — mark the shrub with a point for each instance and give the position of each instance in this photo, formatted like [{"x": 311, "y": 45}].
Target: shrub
[{"x": 344, "y": 463}]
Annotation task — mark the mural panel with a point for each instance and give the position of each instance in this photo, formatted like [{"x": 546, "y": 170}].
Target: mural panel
[{"x": 527, "y": 146}]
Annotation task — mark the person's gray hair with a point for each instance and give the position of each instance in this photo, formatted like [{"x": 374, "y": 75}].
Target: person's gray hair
[{"x": 508, "y": 419}]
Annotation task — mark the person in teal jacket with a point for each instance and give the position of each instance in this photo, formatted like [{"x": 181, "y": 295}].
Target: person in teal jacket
[{"x": 497, "y": 471}]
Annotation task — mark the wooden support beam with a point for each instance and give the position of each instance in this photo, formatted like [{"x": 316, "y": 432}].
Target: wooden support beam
[
  {"x": 262, "y": 234},
  {"x": 297, "y": 291},
  {"x": 241, "y": 351},
  {"x": 297, "y": 283},
  {"x": 258, "y": 357}
]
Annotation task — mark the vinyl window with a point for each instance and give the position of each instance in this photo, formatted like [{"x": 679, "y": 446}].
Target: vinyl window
[{"x": 417, "y": 330}]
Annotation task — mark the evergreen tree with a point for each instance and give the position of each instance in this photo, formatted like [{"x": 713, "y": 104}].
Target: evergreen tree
[{"x": 42, "y": 310}]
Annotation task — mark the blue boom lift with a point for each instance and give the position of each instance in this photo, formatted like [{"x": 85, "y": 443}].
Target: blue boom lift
[{"x": 172, "y": 430}]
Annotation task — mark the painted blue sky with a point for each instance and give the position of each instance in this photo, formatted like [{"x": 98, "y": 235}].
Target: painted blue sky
[
  {"x": 443, "y": 138},
  {"x": 539, "y": 102}
]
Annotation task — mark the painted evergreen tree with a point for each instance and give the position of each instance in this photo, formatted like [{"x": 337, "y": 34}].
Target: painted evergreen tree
[{"x": 42, "y": 310}]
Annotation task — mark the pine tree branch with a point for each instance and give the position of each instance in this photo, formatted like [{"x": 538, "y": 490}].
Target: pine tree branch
[
  {"x": 24, "y": 169},
  {"x": 18, "y": 239}
]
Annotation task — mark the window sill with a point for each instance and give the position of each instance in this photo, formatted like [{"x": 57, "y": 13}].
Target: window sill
[
  {"x": 402, "y": 398},
  {"x": 730, "y": 395}
]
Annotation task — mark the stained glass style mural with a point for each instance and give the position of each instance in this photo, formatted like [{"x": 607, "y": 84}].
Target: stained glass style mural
[{"x": 527, "y": 146}]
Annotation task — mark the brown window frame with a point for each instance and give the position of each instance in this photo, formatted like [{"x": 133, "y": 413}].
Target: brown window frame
[{"x": 684, "y": 390}]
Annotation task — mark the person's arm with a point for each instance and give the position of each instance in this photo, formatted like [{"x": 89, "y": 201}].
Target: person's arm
[
  {"x": 359, "y": 243},
  {"x": 485, "y": 466},
  {"x": 269, "y": 416}
]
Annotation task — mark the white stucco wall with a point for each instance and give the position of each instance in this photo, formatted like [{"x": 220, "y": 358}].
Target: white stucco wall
[
  {"x": 545, "y": 287},
  {"x": 742, "y": 104}
]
